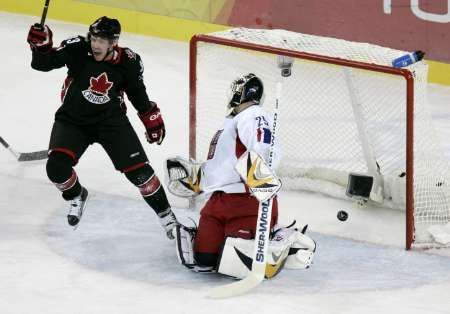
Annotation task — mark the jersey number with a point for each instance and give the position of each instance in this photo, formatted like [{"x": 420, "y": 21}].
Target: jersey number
[{"x": 262, "y": 121}]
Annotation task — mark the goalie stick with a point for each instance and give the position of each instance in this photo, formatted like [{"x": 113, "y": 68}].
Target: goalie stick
[
  {"x": 257, "y": 273},
  {"x": 31, "y": 156}
]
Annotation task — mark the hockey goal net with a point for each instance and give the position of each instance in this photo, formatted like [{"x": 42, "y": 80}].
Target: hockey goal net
[{"x": 343, "y": 110}]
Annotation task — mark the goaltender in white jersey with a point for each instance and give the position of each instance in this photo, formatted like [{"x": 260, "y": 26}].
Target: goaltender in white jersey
[
  {"x": 250, "y": 130},
  {"x": 236, "y": 177}
]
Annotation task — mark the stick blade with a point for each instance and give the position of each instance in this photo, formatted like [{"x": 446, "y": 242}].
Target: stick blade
[
  {"x": 39, "y": 155},
  {"x": 236, "y": 288}
]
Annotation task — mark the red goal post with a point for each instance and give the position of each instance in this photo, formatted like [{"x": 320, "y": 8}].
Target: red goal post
[{"x": 199, "y": 43}]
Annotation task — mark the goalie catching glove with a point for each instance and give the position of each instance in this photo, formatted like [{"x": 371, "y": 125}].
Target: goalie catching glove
[{"x": 184, "y": 177}]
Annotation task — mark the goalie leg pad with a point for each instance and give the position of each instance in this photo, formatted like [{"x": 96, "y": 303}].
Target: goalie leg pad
[
  {"x": 184, "y": 244},
  {"x": 185, "y": 249},
  {"x": 236, "y": 259},
  {"x": 302, "y": 248}
]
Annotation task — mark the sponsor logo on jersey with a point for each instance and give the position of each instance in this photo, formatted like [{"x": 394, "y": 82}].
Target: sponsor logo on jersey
[{"x": 97, "y": 93}]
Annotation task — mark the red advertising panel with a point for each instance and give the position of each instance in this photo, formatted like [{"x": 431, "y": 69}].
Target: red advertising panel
[{"x": 402, "y": 24}]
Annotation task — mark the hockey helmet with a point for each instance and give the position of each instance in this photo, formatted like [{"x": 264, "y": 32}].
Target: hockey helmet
[
  {"x": 246, "y": 88},
  {"x": 105, "y": 27}
]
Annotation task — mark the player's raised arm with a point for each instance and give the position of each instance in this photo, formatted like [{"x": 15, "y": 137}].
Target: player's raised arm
[{"x": 44, "y": 56}]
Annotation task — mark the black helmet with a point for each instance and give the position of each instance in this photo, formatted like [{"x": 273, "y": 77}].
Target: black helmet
[
  {"x": 246, "y": 88},
  {"x": 105, "y": 27}
]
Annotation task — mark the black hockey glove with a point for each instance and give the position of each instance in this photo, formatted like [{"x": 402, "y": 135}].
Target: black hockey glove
[{"x": 40, "y": 38}]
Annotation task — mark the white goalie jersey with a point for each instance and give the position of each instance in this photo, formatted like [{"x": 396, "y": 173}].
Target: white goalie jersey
[{"x": 251, "y": 129}]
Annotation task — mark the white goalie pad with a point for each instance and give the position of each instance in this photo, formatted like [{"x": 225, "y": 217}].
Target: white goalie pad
[
  {"x": 184, "y": 241},
  {"x": 257, "y": 175},
  {"x": 302, "y": 248},
  {"x": 184, "y": 176},
  {"x": 236, "y": 259},
  {"x": 289, "y": 249},
  {"x": 184, "y": 245}
]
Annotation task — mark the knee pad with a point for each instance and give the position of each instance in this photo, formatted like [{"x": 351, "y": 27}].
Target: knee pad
[
  {"x": 60, "y": 172},
  {"x": 145, "y": 179},
  {"x": 140, "y": 175},
  {"x": 59, "y": 167}
]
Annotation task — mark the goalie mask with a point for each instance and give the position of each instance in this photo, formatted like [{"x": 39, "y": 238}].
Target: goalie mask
[{"x": 246, "y": 88}]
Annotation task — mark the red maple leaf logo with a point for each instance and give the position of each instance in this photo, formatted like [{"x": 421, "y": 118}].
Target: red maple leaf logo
[{"x": 100, "y": 84}]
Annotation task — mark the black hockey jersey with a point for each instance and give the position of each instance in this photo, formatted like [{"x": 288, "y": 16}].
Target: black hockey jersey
[{"x": 93, "y": 91}]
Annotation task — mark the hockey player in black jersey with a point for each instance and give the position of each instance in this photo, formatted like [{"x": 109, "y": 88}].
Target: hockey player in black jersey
[{"x": 93, "y": 111}]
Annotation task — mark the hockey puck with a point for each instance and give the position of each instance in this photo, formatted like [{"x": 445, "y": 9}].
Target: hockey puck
[{"x": 342, "y": 215}]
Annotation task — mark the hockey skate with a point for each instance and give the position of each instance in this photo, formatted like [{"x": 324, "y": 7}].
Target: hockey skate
[
  {"x": 168, "y": 221},
  {"x": 76, "y": 209}
]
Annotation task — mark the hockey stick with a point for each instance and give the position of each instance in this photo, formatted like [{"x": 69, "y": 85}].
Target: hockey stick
[
  {"x": 257, "y": 273},
  {"x": 44, "y": 13},
  {"x": 42, "y": 154}
]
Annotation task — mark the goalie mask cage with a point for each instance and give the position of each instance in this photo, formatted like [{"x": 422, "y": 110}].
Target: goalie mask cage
[{"x": 344, "y": 109}]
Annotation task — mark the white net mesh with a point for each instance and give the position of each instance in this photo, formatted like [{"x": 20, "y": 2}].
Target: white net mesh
[{"x": 320, "y": 105}]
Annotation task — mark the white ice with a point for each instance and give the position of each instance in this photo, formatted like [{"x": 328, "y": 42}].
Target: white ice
[{"x": 119, "y": 261}]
